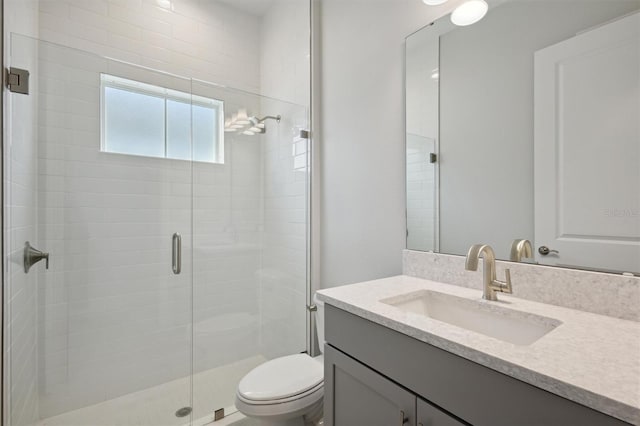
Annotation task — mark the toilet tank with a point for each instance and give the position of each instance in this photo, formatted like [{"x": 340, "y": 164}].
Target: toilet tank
[{"x": 319, "y": 321}]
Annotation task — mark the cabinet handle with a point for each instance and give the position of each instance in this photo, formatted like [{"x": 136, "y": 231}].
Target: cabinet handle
[{"x": 403, "y": 419}]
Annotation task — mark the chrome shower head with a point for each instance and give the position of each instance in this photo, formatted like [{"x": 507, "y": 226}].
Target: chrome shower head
[
  {"x": 257, "y": 124},
  {"x": 252, "y": 126},
  {"x": 255, "y": 120}
]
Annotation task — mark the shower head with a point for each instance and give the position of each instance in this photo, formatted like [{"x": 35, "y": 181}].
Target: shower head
[
  {"x": 255, "y": 120},
  {"x": 258, "y": 126},
  {"x": 253, "y": 125}
]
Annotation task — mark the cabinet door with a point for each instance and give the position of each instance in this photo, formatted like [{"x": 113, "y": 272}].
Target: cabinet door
[
  {"x": 428, "y": 415},
  {"x": 357, "y": 395}
]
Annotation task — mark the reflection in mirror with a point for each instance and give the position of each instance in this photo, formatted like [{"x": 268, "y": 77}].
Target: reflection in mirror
[
  {"x": 421, "y": 139},
  {"x": 533, "y": 114},
  {"x": 520, "y": 250}
]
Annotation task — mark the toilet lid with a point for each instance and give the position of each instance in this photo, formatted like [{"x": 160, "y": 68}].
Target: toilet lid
[{"x": 282, "y": 378}]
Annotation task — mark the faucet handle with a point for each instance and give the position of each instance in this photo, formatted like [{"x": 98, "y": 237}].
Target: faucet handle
[
  {"x": 506, "y": 286},
  {"x": 507, "y": 275},
  {"x": 503, "y": 286}
]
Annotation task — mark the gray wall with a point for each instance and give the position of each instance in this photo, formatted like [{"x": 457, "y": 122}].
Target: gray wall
[{"x": 362, "y": 127}]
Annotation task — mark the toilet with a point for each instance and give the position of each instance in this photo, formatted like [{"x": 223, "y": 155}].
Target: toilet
[{"x": 286, "y": 391}]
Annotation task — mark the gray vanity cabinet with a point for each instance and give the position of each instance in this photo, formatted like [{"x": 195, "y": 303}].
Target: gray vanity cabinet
[
  {"x": 375, "y": 376},
  {"x": 428, "y": 415},
  {"x": 360, "y": 396}
]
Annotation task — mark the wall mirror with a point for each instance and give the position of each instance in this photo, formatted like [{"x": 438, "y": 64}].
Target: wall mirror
[{"x": 526, "y": 125}]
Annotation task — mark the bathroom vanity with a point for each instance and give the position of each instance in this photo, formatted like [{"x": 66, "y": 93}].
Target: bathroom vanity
[{"x": 389, "y": 361}]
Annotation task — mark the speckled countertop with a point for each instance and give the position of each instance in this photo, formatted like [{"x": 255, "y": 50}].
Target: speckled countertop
[{"x": 591, "y": 359}]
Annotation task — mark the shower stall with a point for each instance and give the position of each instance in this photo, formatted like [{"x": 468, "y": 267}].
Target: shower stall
[{"x": 155, "y": 239}]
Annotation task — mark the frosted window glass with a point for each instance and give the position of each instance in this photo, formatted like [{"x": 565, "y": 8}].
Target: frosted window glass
[
  {"x": 205, "y": 131},
  {"x": 179, "y": 130},
  {"x": 134, "y": 123},
  {"x": 143, "y": 119}
]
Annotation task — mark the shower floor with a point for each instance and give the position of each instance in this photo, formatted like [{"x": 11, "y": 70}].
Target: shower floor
[{"x": 155, "y": 406}]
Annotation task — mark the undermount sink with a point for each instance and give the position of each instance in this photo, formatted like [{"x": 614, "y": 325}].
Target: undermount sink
[{"x": 488, "y": 318}]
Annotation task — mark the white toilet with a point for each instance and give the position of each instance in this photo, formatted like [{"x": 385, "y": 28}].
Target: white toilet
[{"x": 286, "y": 391}]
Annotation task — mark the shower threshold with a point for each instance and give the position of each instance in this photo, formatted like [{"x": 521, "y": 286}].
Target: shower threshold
[{"x": 156, "y": 406}]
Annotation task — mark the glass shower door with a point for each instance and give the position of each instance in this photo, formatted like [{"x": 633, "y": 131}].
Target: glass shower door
[
  {"x": 250, "y": 245},
  {"x": 98, "y": 175}
]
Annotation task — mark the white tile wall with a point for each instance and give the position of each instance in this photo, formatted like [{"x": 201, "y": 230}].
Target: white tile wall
[
  {"x": 284, "y": 272},
  {"x": 124, "y": 234},
  {"x": 21, "y": 291},
  {"x": 285, "y": 52},
  {"x": 20, "y": 172},
  {"x": 112, "y": 317},
  {"x": 421, "y": 194},
  {"x": 207, "y": 40},
  {"x": 285, "y": 74}
]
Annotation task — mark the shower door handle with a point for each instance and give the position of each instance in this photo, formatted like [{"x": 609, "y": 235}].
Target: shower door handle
[{"x": 176, "y": 256}]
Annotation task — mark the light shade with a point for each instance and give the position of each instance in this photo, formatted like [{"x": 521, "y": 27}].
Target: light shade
[
  {"x": 241, "y": 117},
  {"x": 469, "y": 12},
  {"x": 434, "y": 2}
]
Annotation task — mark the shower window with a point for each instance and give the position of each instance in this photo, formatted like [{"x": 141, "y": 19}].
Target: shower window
[{"x": 142, "y": 119}]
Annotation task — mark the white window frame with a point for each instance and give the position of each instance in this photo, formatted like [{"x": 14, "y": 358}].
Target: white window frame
[{"x": 112, "y": 81}]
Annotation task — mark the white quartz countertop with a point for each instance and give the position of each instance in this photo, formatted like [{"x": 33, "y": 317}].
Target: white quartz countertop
[{"x": 591, "y": 359}]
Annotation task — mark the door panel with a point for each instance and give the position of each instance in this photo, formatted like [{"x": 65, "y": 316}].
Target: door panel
[
  {"x": 356, "y": 395},
  {"x": 249, "y": 245},
  {"x": 108, "y": 322},
  {"x": 587, "y": 148},
  {"x": 109, "y": 334}
]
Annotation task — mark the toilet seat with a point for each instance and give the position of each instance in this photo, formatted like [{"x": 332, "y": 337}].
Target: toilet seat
[
  {"x": 282, "y": 379},
  {"x": 308, "y": 393},
  {"x": 287, "y": 386},
  {"x": 287, "y": 408}
]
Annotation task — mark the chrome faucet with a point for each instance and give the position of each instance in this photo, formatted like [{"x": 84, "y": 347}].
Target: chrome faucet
[
  {"x": 520, "y": 249},
  {"x": 490, "y": 284}
]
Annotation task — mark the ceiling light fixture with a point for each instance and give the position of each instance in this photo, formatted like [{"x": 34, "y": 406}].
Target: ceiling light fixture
[
  {"x": 469, "y": 12},
  {"x": 433, "y": 2}
]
